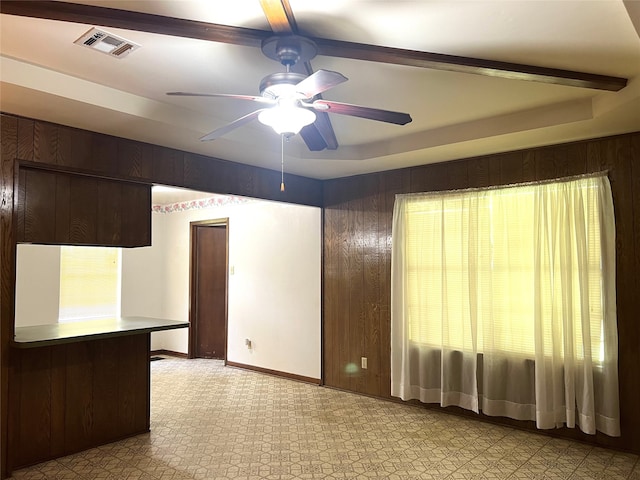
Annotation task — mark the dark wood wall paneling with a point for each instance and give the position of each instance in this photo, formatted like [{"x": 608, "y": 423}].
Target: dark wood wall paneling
[
  {"x": 9, "y": 146},
  {"x": 102, "y": 155},
  {"x": 74, "y": 396},
  {"x": 127, "y": 159},
  {"x": 357, "y": 260},
  {"x": 66, "y": 208}
]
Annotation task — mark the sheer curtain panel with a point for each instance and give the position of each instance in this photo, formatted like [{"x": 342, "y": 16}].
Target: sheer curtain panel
[{"x": 503, "y": 300}]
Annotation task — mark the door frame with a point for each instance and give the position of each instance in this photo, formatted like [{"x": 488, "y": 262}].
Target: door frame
[{"x": 193, "y": 327}]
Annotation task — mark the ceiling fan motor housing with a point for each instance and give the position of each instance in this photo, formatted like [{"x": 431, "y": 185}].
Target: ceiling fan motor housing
[{"x": 289, "y": 49}]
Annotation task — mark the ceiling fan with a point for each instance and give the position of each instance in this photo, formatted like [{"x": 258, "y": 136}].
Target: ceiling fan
[{"x": 288, "y": 99}]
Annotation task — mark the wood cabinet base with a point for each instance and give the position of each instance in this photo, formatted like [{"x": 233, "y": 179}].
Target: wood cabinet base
[{"x": 68, "y": 398}]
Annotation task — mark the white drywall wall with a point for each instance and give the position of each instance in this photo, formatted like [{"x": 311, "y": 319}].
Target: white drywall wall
[
  {"x": 274, "y": 293},
  {"x": 37, "y": 285}
]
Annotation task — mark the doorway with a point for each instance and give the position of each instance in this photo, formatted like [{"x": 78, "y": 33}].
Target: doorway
[{"x": 208, "y": 289}]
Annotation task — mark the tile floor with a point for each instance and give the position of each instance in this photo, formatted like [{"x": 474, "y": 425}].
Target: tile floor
[{"x": 213, "y": 422}]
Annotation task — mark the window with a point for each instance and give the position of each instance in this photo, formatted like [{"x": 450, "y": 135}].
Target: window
[
  {"x": 89, "y": 283},
  {"x": 502, "y": 261},
  {"x": 516, "y": 281}
]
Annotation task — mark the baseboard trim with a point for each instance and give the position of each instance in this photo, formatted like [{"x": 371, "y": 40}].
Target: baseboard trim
[
  {"x": 276, "y": 373},
  {"x": 168, "y": 353}
]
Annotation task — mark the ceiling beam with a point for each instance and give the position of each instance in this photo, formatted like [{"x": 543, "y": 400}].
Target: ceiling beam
[
  {"x": 478, "y": 66},
  {"x": 280, "y": 16},
  {"x": 143, "y": 22},
  {"x": 93, "y": 15}
]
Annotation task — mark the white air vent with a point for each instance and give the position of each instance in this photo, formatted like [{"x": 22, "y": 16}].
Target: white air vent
[{"x": 106, "y": 42}]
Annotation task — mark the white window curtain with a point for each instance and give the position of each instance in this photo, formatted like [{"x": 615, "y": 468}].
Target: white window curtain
[{"x": 503, "y": 300}]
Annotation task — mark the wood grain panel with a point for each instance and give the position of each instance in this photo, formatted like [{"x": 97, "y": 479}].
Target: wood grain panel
[
  {"x": 19, "y": 210},
  {"x": 425, "y": 179},
  {"x": 64, "y": 146},
  {"x": 167, "y": 166},
  {"x": 195, "y": 172},
  {"x": 58, "y": 373},
  {"x": 62, "y": 206},
  {"x": 371, "y": 284},
  {"x": 39, "y": 208},
  {"x": 79, "y": 407},
  {"x": 45, "y": 142},
  {"x": 70, "y": 397},
  {"x": 142, "y": 371},
  {"x": 615, "y": 153},
  {"x": 26, "y": 142},
  {"x": 338, "y": 303},
  {"x": 354, "y": 338},
  {"x": 33, "y": 436},
  {"x": 631, "y": 356},
  {"x": 9, "y": 128},
  {"x": 330, "y": 286},
  {"x": 478, "y": 172},
  {"x": 245, "y": 180},
  {"x": 81, "y": 145},
  {"x": 83, "y": 210},
  {"x": 457, "y": 174},
  {"x": 576, "y": 159},
  {"x": 396, "y": 182},
  {"x": 132, "y": 385},
  {"x": 104, "y": 154},
  {"x": 110, "y": 210},
  {"x": 219, "y": 176},
  {"x": 551, "y": 163},
  {"x": 106, "y": 391},
  {"x": 135, "y": 159},
  {"x": 511, "y": 169},
  {"x": 347, "y": 200},
  {"x": 136, "y": 215}
]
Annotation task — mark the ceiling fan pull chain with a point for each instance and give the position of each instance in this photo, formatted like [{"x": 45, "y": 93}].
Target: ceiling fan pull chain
[{"x": 282, "y": 162}]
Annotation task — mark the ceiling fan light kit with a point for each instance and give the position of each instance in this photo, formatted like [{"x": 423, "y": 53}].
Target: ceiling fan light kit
[{"x": 287, "y": 118}]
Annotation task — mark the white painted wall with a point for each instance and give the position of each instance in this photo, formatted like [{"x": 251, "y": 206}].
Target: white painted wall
[
  {"x": 37, "y": 285},
  {"x": 143, "y": 278},
  {"x": 274, "y": 293}
]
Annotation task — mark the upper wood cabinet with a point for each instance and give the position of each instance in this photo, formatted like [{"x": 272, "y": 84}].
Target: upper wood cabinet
[{"x": 59, "y": 207}]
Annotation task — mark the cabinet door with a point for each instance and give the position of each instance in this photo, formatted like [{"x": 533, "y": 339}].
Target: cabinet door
[{"x": 66, "y": 208}]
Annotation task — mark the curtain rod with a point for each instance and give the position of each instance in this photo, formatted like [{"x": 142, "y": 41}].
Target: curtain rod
[{"x": 601, "y": 173}]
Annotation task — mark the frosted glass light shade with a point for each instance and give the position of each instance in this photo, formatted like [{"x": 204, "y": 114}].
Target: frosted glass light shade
[{"x": 287, "y": 118}]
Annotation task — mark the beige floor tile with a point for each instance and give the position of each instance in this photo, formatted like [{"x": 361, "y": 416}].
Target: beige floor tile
[{"x": 213, "y": 422}]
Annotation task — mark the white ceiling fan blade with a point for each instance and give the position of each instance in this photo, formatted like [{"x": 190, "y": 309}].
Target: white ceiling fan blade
[
  {"x": 318, "y": 82},
  {"x": 370, "y": 113},
  {"x": 252, "y": 98},
  {"x": 231, "y": 126}
]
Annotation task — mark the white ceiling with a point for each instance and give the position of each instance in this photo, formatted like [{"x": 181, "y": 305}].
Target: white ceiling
[{"x": 45, "y": 75}]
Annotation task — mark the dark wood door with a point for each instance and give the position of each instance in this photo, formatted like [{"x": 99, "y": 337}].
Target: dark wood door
[{"x": 210, "y": 265}]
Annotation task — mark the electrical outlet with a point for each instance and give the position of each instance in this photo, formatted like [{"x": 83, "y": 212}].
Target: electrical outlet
[{"x": 363, "y": 362}]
